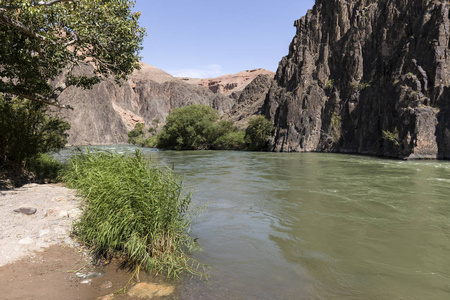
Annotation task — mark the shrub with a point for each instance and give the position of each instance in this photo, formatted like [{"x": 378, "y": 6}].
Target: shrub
[
  {"x": 230, "y": 141},
  {"x": 336, "y": 129},
  {"x": 150, "y": 142},
  {"x": 155, "y": 122},
  {"x": 364, "y": 85},
  {"x": 189, "y": 128},
  {"x": 257, "y": 133},
  {"x": 133, "y": 209},
  {"x": 135, "y": 134},
  {"x": 138, "y": 136},
  {"x": 27, "y": 131},
  {"x": 392, "y": 136},
  {"x": 330, "y": 84}
]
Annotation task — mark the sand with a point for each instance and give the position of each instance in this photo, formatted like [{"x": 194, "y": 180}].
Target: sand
[
  {"x": 21, "y": 234},
  {"x": 39, "y": 259}
]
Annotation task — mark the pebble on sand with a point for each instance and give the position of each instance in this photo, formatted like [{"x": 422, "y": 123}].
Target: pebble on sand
[{"x": 26, "y": 210}]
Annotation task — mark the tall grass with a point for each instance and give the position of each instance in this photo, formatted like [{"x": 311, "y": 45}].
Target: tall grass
[{"x": 134, "y": 209}]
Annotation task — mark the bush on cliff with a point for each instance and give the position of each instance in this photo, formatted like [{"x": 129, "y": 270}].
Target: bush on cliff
[{"x": 134, "y": 209}]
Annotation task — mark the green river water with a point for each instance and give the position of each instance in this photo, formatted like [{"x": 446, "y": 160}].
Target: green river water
[{"x": 317, "y": 226}]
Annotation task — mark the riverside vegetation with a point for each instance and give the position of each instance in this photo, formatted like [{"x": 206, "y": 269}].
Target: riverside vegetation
[
  {"x": 133, "y": 209},
  {"x": 27, "y": 132},
  {"x": 44, "y": 40},
  {"x": 197, "y": 127}
]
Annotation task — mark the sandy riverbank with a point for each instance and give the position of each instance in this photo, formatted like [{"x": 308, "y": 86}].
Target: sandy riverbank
[
  {"x": 38, "y": 257},
  {"x": 22, "y": 234}
]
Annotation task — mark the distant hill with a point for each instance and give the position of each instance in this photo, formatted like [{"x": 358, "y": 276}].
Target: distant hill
[{"x": 229, "y": 84}]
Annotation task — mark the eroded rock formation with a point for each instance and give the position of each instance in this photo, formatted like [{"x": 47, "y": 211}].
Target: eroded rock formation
[
  {"x": 250, "y": 101},
  {"x": 107, "y": 112},
  {"x": 368, "y": 77},
  {"x": 230, "y": 85}
]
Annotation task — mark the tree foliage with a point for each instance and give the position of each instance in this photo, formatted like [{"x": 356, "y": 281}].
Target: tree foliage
[
  {"x": 196, "y": 127},
  {"x": 26, "y": 131},
  {"x": 189, "y": 128},
  {"x": 232, "y": 140},
  {"x": 257, "y": 133},
  {"x": 40, "y": 40},
  {"x": 136, "y": 133}
]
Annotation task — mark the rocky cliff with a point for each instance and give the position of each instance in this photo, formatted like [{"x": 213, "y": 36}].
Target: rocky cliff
[
  {"x": 368, "y": 77},
  {"x": 230, "y": 85},
  {"x": 107, "y": 112},
  {"x": 250, "y": 101}
]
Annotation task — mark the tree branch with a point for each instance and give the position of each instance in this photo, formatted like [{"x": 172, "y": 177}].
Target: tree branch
[
  {"x": 4, "y": 19},
  {"x": 41, "y": 99},
  {"x": 70, "y": 42}
]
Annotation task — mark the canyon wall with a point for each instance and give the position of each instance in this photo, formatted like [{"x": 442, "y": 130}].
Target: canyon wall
[
  {"x": 107, "y": 112},
  {"x": 250, "y": 101},
  {"x": 368, "y": 77}
]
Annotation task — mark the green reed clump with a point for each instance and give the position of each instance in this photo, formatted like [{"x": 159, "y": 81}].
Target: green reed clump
[{"x": 134, "y": 209}]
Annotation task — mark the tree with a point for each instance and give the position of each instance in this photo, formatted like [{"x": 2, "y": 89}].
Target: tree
[
  {"x": 231, "y": 140},
  {"x": 136, "y": 134},
  {"x": 189, "y": 128},
  {"x": 26, "y": 131},
  {"x": 258, "y": 132},
  {"x": 40, "y": 40}
]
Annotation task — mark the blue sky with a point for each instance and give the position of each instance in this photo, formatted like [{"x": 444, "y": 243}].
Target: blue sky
[{"x": 200, "y": 38}]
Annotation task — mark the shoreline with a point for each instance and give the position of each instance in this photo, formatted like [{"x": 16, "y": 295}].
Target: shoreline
[{"x": 38, "y": 258}]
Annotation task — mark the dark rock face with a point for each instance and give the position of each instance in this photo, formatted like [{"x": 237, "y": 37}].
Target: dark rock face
[
  {"x": 94, "y": 120},
  {"x": 250, "y": 101},
  {"x": 369, "y": 77}
]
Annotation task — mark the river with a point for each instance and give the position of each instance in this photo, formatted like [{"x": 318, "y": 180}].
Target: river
[{"x": 316, "y": 226}]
